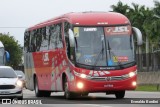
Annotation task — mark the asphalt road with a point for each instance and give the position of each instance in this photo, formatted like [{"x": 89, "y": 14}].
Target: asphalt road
[{"x": 132, "y": 99}]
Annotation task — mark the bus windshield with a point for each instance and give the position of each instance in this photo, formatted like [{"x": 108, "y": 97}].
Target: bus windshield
[
  {"x": 104, "y": 46},
  {"x": 2, "y": 56}
]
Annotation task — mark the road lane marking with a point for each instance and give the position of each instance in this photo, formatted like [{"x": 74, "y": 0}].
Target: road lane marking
[{"x": 96, "y": 105}]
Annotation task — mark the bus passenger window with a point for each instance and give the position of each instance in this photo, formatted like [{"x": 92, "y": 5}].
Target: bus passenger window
[
  {"x": 55, "y": 37},
  {"x": 52, "y": 37},
  {"x": 26, "y": 41},
  {"x": 38, "y": 40},
  {"x": 45, "y": 39},
  {"x": 59, "y": 43},
  {"x": 66, "y": 28},
  {"x": 33, "y": 41}
]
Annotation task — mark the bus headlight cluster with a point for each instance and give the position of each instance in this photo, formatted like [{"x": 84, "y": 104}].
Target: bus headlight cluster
[
  {"x": 81, "y": 75},
  {"x": 131, "y": 74}
]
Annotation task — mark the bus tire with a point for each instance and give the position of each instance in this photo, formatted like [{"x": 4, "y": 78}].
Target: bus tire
[
  {"x": 38, "y": 93},
  {"x": 120, "y": 94},
  {"x": 68, "y": 95},
  {"x": 46, "y": 93},
  {"x": 85, "y": 94}
]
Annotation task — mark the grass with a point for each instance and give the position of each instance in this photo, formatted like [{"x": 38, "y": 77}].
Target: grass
[{"x": 147, "y": 88}]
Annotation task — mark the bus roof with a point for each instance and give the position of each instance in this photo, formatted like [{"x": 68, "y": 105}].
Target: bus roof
[
  {"x": 88, "y": 19},
  {"x": 1, "y": 44}
]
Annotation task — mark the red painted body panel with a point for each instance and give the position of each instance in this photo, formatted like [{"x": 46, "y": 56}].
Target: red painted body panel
[
  {"x": 44, "y": 69},
  {"x": 98, "y": 86},
  {"x": 88, "y": 19},
  {"x": 49, "y": 65}
]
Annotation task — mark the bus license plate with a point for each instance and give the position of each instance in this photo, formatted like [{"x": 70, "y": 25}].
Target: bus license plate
[{"x": 108, "y": 85}]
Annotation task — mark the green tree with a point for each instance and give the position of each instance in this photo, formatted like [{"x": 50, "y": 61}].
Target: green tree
[
  {"x": 120, "y": 8},
  {"x": 11, "y": 45}
]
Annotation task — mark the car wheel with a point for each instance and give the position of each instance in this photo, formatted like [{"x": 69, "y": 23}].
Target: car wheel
[
  {"x": 120, "y": 94},
  {"x": 20, "y": 98}
]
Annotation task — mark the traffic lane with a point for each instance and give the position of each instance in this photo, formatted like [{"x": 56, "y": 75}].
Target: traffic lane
[
  {"x": 95, "y": 98},
  {"x": 129, "y": 94},
  {"x": 84, "y": 105}
]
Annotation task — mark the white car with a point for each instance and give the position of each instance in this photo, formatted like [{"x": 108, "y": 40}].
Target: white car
[{"x": 10, "y": 84}]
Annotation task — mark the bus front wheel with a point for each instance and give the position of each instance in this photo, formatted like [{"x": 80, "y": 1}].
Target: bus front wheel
[
  {"x": 120, "y": 94},
  {"x": 67, "y": 93}
]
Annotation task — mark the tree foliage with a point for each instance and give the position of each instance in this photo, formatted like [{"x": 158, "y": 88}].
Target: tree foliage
[
  {"x": 144, "y": 18},
  {"x": 11, "y": 45}
]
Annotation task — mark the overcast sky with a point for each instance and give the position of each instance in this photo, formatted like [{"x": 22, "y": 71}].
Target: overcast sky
[{"x": 25, "y": 13}]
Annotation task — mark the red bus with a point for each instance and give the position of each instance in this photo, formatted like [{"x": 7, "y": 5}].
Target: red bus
[{"x": 81, "y": 53}]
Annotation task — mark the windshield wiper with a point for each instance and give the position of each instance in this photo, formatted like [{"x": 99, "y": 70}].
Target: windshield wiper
[
  {"x": 110, "y": 52},
  {"x": 97, "y": 58}
]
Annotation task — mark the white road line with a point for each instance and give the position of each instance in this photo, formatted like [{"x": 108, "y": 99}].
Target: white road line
[{"x": 96, "y": 105}]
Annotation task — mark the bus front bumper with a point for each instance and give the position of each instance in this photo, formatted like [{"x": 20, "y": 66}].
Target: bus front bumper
[{"x": 86, "y": 85}]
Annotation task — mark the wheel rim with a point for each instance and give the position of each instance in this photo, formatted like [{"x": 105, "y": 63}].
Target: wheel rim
[{"x": 36, "y": 87}]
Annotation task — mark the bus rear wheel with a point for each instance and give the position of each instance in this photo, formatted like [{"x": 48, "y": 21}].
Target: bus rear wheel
[
  {"x": 39, "y": 93},
  {"x": 120, "y": 94}
]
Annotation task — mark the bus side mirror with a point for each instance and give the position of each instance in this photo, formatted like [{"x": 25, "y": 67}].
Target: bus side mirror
[
  {"x": 7, "y": 56},
  {"x": 71, "y": 38},
  {"x": 138, "y": 34},
  {"x": 72, "y": 46}
]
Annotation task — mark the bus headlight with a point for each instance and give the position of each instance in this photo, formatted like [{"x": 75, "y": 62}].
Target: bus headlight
[
  {"x": 81, "y": 75},
  {"x": 129, "y": 75}
]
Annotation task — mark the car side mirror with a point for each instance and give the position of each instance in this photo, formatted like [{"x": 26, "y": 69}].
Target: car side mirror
[{"x": 20, "y": 76}]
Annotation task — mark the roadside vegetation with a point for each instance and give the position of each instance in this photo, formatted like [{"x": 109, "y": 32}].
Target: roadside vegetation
[
  {"x": 148, "y": 21},
  {"x": 150, "y": 88},
  {"x": 15, "y": 50}
]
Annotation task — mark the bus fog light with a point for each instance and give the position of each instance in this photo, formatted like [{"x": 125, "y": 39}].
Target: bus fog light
[
  {"x": 134, "y": 83},
  {"x": 80, "y": 85}
]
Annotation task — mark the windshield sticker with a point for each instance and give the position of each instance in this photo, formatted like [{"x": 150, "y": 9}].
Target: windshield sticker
[
  {"x": 89, "y": 56},
  {"x": 110, "y": 63},
  {"x": 90, "y": 29},
  {"x": 88, "y": 61},
  {"x": 119, "y": 30},
  {"x": 120, "y": 59},
  {"x": 76, "y": 31}
]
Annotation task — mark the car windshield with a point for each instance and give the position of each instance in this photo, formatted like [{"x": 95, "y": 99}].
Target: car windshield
[
  {"x": 1, "y": 56},
  {"x": 20, "y": 73},
  {"x": 7, "y": 73},
  {"x": 104, "y": 46}
]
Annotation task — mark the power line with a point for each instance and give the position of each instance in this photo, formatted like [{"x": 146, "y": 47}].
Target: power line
[{"x": 13, "y": 27}]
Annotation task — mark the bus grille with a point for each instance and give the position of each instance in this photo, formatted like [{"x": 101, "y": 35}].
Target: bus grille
[
  {"x": 7, "y": 86},
  {"x": 108, "y": 78}
]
